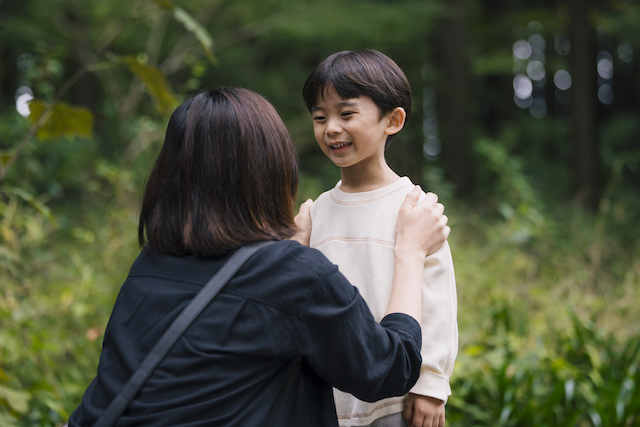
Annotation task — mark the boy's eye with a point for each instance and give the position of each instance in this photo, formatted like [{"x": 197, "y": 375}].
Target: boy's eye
[
  {"x": 318, "y": 118},
  {"x": 346, "y": 113}
]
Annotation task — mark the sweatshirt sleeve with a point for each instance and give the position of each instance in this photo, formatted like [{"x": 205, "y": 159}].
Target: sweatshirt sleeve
[
  {"x": 349, "y": 350},
  {"x": 439, "y": 325}
]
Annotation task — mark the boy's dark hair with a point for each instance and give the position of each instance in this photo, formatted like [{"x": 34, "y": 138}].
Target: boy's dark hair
[
  {"x": 362, "y": 72},
  {"x": 226, "y": 175}
]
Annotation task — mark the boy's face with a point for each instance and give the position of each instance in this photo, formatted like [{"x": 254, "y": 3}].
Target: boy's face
[{"x": 349, "y": 131}]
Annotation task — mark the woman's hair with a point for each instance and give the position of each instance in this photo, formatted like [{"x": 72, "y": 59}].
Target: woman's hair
[
  {"x": 361, "y": 73},
  {"x": 227, "y": 175}
]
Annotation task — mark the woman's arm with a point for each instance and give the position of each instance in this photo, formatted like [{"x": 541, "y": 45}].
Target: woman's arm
[
  {"x": 348, "y": 349},
  {"x": 420, "y": 230}
]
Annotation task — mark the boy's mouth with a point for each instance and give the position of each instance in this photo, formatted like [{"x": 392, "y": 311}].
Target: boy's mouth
[{"x": 339, "y": 146}]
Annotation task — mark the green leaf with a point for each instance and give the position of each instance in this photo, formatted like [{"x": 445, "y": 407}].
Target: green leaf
[
  {"x": 156, "y": 84},
  {"x": 65, "y": 120},
  {"x": 193, "y": 26},
  {"x": 4, "y": 158},
  {"x": 624, "y": 397},
  {"x": 165, "y": 4},
  {"x": 206, "y": 41},
  {"x": 596, "y": 419},
  {"x": 16, "y": 399}
]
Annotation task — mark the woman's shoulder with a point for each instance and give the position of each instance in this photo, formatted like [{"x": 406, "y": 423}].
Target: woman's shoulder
[
  {"x": 305, "y": 275},
  {"x": 289, "y": 261},
  {"x": 286, "y": 275},
  {"x": 291, "y": 254}
]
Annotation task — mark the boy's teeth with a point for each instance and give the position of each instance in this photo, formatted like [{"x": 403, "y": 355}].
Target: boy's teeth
[{"x": 340, "y": 145}]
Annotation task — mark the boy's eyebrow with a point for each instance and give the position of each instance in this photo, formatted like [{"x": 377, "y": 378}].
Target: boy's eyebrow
[{"x": 345, "y": 103}]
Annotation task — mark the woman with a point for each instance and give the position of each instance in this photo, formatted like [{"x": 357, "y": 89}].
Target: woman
[{"x": 227, "y": 176}]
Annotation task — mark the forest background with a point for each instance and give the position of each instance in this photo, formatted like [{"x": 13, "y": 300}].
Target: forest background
[{"x": 525, "y": 122}]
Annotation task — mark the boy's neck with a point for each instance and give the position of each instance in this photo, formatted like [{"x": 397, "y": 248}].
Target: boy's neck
[{"x": 366, "y": 177}]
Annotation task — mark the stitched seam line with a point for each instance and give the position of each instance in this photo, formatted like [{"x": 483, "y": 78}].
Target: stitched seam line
[
  {"x": 373, "y": 410},
  {"x": 352, "y": 239},
  {"x": 340, "y": 202}
]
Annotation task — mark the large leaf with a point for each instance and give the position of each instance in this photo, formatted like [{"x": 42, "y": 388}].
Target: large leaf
[
  {"x": 65, "y": 120},
  {"x": 156, "y": 84},
  {"x": 189, "y": 22}
]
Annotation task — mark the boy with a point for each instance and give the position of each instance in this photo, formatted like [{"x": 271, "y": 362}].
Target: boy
[{"x": 359, "y": 100}]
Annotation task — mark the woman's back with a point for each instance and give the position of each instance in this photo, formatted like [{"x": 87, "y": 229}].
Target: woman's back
[{"x": 229, "y": 367}]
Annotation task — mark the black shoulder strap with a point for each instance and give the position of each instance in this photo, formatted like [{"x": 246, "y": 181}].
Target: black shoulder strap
[{"x": 182, "y": 322}]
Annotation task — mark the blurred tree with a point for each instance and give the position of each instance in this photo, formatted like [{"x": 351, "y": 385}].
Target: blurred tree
[
  {"x": 586, "y": 171},
  {"x": 557, "y": 125},
  {"x": 86, "y": 55},
  {"x": 454, "y": 94}
]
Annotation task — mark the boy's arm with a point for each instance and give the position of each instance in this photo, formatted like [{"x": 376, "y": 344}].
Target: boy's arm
[
  {"x": 439, "y": 325},
  {"x": 439, "y": 340}
]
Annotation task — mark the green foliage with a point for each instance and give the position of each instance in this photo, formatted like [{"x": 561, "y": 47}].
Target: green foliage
[
  {"x": 548, "y": 293},
  {"x": 58, "y": 282},
  {"x": 567, "y": 378}
]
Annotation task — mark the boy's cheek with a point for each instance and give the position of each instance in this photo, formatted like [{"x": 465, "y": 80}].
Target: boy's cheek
[{"x": 319, "y": 137}]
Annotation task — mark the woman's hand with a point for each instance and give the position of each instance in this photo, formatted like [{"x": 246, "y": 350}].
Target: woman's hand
[
  {"x": 303, "y": 223},
  {"x": 421, "y": 228}
]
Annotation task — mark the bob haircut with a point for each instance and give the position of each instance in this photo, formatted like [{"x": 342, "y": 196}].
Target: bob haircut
[
  {"x": 357, "y": 73},
  {"x": 226, "y": 175}
]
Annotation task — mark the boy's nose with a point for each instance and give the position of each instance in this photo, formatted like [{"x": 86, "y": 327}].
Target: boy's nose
[{"x": 333, "y": 127}]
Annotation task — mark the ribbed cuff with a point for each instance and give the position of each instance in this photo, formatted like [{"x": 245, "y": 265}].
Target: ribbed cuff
[{"x": 432, "y": 384}]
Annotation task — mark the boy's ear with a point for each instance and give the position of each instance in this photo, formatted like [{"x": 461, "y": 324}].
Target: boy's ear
[{"x": 396, "y": 120}]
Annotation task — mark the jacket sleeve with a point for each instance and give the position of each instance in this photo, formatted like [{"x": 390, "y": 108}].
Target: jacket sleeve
[
  {"x": 349, "y": 350},
  {"x": 439, "y": 325}
]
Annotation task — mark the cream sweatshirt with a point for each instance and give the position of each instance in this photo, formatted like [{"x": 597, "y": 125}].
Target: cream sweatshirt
[{"x": 356, "y": 231}]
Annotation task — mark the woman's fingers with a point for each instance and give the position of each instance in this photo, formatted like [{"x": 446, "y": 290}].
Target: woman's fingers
[
  {"x": 303, "y": 223},
  {"x": 421, "y": 228}
]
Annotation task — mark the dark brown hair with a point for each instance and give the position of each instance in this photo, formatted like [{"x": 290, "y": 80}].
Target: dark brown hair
[
  {"x": 226, "y": 175},
  {"x": 361, "y": 72}
]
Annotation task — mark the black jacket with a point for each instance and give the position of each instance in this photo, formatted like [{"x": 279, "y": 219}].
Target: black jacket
[{"x": 286, "y": 302}]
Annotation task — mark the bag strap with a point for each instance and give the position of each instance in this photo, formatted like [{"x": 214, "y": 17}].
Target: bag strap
[{"x": 120, "y": 403}]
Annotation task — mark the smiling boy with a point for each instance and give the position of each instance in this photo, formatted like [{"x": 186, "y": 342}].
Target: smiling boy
[{"x": 359, "y": 100}]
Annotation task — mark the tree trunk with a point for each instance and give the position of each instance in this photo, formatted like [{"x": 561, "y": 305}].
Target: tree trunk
[
  {"x": 453, "y": 96},
  {"x": 584, "y": 128}
]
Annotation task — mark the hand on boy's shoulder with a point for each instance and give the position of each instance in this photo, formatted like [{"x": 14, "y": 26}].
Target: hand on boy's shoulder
[
  {"x": 422, "y": 223},
  {"x": 303, "y": 223}
]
